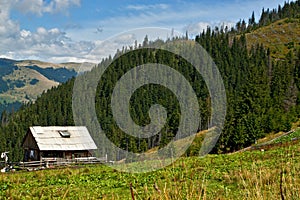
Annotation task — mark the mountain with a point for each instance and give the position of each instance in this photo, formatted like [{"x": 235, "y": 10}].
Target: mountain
[
  {"x": 23, "y": 81},
  {"x": 262, "y": 88}
]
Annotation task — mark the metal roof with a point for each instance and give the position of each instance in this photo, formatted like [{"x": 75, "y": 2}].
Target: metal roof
[{"x": 49, "y": 138}]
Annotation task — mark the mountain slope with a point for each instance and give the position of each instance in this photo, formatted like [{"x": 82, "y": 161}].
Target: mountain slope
[
  {"x": 32, "y": 83},
  {"x": 281, "y": 37},
  {"x": 23, "y": 81}
]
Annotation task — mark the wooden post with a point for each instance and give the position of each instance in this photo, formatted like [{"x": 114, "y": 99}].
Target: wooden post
[{"x": 131, "y": 190}]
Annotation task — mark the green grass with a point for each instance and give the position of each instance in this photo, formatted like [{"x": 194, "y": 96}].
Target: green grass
[
  {"x": 247, "y": 175},
  {"x": 289, "y": 137}
]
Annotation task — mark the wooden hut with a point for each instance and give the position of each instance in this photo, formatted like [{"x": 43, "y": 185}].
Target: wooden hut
[{"x": 66, "y": 142}]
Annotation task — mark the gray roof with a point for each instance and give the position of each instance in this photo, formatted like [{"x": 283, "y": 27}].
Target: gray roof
[{"x": 48, "y": 138}]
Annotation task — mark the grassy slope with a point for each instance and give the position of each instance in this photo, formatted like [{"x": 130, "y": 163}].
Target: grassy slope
[
  {"x": 280, "y": 36},
  {"x": 31, "y": 91},
  {"x": 25, "y": 74},
  {"x": 247, "y": 175}
]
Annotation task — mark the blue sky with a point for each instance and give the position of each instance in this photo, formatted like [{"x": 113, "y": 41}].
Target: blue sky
[{"x": 81, "y": 30}]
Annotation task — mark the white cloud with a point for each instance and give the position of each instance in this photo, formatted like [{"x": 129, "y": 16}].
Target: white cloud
[
  {"x": 197, "y": 28},
  {"x": 39, "y": 7},
  {"x": 8, "y": 27},
  {"x": 45, "y": 44},
  {"x": 30, "y": 6},
  {"x": 126, "y": 39},
  {"x": 61, "y": 5},
  {"x": 25, "y": 34}
]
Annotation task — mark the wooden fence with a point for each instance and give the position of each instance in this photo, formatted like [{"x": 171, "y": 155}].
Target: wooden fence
[{"x": 52, "y": 162}]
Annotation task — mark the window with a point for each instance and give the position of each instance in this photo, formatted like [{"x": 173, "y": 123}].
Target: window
[
  {"x": 31, "y": 154},
  {"x": 64, "y": 134}
]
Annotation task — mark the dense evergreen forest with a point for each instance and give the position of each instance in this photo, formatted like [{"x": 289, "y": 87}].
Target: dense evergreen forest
[{"x": 262, "y": 93}]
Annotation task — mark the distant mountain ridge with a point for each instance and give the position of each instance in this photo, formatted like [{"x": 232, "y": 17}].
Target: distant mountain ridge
[{"x": 23, "y": 81}]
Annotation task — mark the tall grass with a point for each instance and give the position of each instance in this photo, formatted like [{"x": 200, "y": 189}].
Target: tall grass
[{"x": 272, "y": 174}]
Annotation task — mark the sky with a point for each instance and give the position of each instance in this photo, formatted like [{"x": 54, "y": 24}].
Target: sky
[{"x": 88, "y": 30}]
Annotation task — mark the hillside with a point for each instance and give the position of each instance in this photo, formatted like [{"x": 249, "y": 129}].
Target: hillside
[
  {"x": 271, "y": 174},
  {"x": 23, "y": 81},
  {"x": 262, "y": 94},
  {"x": 257, "y": 155},
  {"x": 281, "y": 37},
  {"x": 31, "y": 84}
]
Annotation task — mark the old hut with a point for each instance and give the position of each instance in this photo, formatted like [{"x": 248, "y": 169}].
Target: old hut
[{"x": 66, "y": 142}]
